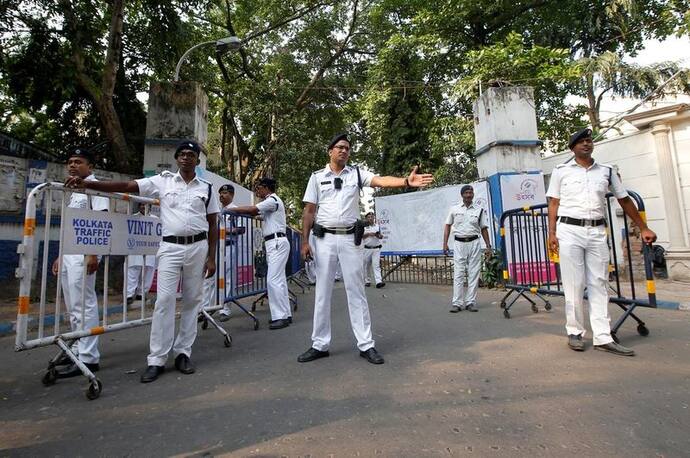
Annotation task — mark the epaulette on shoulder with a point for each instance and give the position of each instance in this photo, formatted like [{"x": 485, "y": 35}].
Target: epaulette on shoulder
[
  {"x": 560, "y": 166},
  {"x": 608, "y": 166},
  {"x": 166, "y": 173},
  {"x": 205, "y": 181}
]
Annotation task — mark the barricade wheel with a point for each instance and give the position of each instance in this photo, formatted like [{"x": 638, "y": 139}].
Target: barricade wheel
[
  {"x": 535, "y": 309},
  {"x": 506, "y": 314},
  {"x": 228, "y": 341},
  {"x": 642, "y": 330},
  {"x": 94, "y": 390},
  {"x": 50, "y": 377},
  {"x": 547, "y": 306},
  {"x": 256, "y": 325},
  {"x": 502, "y": 305},
  {"x": 615, "y": 337}
]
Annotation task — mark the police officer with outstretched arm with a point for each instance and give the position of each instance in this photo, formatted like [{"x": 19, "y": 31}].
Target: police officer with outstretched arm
[
  {"x": 331, "y": 211},
  {"x": 272, "y": 209},
  {"x": 188, "y": 215},
  {"x": 577, "y": 232}
]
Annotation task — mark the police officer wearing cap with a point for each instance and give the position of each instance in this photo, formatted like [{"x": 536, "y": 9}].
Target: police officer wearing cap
[
  {"x": 577, "y": 232},
  {"x": 331, "y": 209},
  {"x": 466, "y": 221},
  {"x": 226, "y": 194},
  {"x": 274, "y": 227},
  {"x": 71, "y": 270},
  {"x": 372, "y": 251},
  {"x": 188, "y": 211}
]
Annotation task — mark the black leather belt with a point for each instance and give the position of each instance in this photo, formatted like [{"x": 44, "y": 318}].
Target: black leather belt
[
  {"x": 582, "y": 222},
  {"x": 273, "y": 236},
  {"x": 339, "y": 230},
  {"x": 185, "y": 239},
  {"x": 372, "y": 247},
  {"x": 466, "y": 239}
]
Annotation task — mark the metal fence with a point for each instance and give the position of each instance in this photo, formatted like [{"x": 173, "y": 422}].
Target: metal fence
[
  {"x": 529, "y": 268},
  {"x": 421, "y": 269}
]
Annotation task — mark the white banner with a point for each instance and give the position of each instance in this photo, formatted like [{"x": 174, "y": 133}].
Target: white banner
[
  {"x": 414, "y": 222},
  {"x": 103, "y": 233},
  {"x": 523, "y": 190}
]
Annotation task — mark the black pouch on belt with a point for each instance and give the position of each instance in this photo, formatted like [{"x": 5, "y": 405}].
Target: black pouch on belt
[
  {"x": 317, "y": 230},
  {"x": 359, "y": 231}
]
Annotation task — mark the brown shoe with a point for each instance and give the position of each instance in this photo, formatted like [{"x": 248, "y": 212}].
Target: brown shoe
[
  {"x": 616, "y": 349},
  {"x": 576, "y": 343}
]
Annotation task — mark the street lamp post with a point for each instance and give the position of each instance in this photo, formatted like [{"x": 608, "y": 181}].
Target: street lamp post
[{"x": 223, "y": 45}]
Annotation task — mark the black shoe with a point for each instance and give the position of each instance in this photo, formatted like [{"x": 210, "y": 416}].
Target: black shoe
[
  {"x": 130, "y": 300},
  {"x": 367, "y": 284},
  {"x": 138, "y": 297},
  {"x": 576, "y": 343},
  {"x": 74, "y": 371},
  {"x": 337, "y": 279},
  {"x": 184, "y": 364},
  {"x": 311, "y": 355},
  {"x": 151, "y": 373},
  {"x": 616, "y": 349},
  {"x": 470, "y": 308},
  {"x": 380, "y": 285},
  {"x": 289, "y": 319},
  {"x": 372, "y": 356},
  {"x": 455, "y": 309},
  {"x": 279, "y": 324}
]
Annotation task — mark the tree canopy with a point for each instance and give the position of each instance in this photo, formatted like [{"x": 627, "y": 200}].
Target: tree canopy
[{"x": 400, "y": 75}]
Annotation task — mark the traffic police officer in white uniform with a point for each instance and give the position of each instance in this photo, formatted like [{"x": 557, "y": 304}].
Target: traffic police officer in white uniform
[
  {"x": 577, "y": 232},
  {"x": 335, "y": 191},
  {"x": 137, "y": 263},
  {"x": 188, "y": 216},
  {"x": 466, "y": 221},
  {"x": 80, "y": 164},
  {"x": 372, "y": 251},
  {"x": 272, "y": 210}
]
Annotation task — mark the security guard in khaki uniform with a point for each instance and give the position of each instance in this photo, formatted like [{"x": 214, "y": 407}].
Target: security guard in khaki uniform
[
  {"x": 466, "y": 221},
  {"x": 71, "y": 271},
  {"x": 577, "y": 232},
  {"x": 188, "y": 216},
  {"x": 274, "y": 228},
  {"x": 332, "y": 209}
]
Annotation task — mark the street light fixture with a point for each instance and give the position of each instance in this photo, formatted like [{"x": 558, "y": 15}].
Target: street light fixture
[{"x": 223, "y": 45}]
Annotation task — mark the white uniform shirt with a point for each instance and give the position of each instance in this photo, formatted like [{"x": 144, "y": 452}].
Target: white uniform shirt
[
  {"x": 183, "y": 205},
  {"x": 466, "y": 221},
  {"x": 582, "y": 190},
  {"x": 272, "y": 211},
  {"x": 336, "y": 207},
  {"x": 79, "y": 200},
  {"x": 372, "y": 241}
]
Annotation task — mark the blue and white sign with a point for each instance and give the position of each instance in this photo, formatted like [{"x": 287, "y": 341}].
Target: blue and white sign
[{"x": 104, "y": 233}]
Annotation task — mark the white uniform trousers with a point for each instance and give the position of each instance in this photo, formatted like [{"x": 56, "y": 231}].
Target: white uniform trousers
[
  {"x": 134, "y": 279},
  {"x": 328, "y": 251},
  {"x": 584, "y": 261},
  {"x": 172, "y": 257},
  {"x": 372, "y": 258},
  {"x": 277, "y": 252},
  {"x": 71, "y": 272},
  {"x": 467, "y": 261},
  {"x": 210, "y": 284}
]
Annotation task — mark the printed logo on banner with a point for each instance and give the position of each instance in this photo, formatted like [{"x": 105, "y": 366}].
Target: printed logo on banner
[
  {"x": 528, "y": 189},
  {"x": 131, "y": 243}
]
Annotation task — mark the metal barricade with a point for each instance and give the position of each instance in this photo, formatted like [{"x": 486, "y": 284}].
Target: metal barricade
[
  {"x": 50, "y": 326},
  {"x": 240, "y": 272},
  {"x": 413, "y": 268},
  {"x": 528, "y": 266}
]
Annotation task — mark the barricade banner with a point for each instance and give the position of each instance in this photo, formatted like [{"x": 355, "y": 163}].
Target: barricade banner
[
  {"x": 412, "y": 223},
  {"x": 522, "y": 190},
  {"x": 105, "y": 233}
]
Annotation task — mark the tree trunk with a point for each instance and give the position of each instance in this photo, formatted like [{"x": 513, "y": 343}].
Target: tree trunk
[{"x": 592, "y": 110}]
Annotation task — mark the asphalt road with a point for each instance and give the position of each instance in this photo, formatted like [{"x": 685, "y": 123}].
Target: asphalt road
[{"x": 453, "y": 384}]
